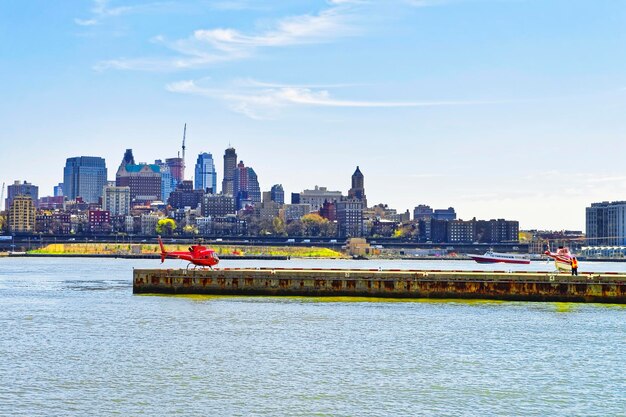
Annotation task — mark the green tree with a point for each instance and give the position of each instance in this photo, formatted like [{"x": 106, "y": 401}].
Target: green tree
[
  {"x": 166, "y": 227},
  {"x": 266, "y": 227},
  {"x": 295, "y": 228},
  {"x": 253, "y": 226},
  {"x": 328, "y": 229}
]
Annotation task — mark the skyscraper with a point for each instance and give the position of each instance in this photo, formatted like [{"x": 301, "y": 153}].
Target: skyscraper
[
  {"x": 230, "y": 163},
  {"x": 245, "y": 185},
  {"x": 278, "y": 194},
  {"x": 84, "y": 176},
  {"x": 205, "y": 175},
  {"x": 358, "y": 189}
]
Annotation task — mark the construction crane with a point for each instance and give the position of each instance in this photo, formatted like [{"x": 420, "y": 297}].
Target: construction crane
[{"x": 184, "y": 135}]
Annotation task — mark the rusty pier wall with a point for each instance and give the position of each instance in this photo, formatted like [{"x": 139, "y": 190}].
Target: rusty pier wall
[{"x": 523, "y": 286}]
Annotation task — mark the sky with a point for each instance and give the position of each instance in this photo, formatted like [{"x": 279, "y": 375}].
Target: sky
[{"x": 510, "y": 109}]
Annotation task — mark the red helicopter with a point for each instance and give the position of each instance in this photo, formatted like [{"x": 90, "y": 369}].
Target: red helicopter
[{"x": 196, "y": 255}]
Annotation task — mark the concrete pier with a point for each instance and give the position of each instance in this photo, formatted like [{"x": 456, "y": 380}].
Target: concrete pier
[{"x": 521, "y": 286}]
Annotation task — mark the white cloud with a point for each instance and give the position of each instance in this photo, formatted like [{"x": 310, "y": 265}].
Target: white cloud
[
  {"x": 207, "y": 46},
  {"x": 426, "y": 3},
  {"x": 101, "y": 10},
  {"x": 249, "y": 82},
  {"x": 292, "y": 30},
  {"x": 86, "y": 22},
  {"x": 258, "y": 101},
  {"x": 237, "y": 5}
]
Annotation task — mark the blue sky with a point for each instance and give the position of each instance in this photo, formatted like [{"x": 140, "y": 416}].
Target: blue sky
[{"x": 500, "y": 108}]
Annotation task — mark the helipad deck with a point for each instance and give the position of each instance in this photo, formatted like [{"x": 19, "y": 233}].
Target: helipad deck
[{"x": 525, "y": 286}]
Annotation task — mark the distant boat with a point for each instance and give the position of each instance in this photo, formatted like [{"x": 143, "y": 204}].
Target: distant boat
[{"x": 496, "y": 257}]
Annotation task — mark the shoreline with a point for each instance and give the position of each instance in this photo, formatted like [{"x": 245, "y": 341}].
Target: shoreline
[
  {"x": 134, "y": 256},
  {"x": 266, "y": 257}
]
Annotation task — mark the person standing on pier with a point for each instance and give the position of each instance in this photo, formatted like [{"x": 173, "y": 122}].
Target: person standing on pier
[{"x": 574, "y": 266}]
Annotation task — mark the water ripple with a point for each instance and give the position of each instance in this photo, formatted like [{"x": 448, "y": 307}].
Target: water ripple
[{"x": 75, "y": 341}]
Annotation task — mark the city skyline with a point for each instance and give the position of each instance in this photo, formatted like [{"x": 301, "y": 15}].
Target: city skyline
[{"x": 501, "y": 109}]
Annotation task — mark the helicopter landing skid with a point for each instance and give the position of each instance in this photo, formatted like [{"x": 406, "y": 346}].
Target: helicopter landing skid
[{"x": 198, "y": 266}]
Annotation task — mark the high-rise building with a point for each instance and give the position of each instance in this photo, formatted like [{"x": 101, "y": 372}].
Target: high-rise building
[
  {"x": 267, "y": 210},
  {"x": 185, "y": 196},
  {"x": 218, "y": 205},
  {"x": 84, "y": 176},
  {"x": 18, "y": 188},
  {"x": 128, "y": 158},
  {"x": 277, "y": 194},
  {"x": 116, "y": 200},
  {"x": 143, "y": 180},
  {"x": 21, "y": 215},
  {"x": 422, "y": 212},
  {"x": 606, "y": 223},
  {"x": 58, "y": 190},
  {"x": 205, "y": 176},
  {"x": 230, "y": 163},
  {"x": 461, "y": 231},
  {"x": 318, "y": 196},
  {"x": 358, "y": 188},
  {"x": 350, "y": 217},
  {"x": 444, "y": 214},
  {"x": 482, "y": 231},
  {"x": 246, "y": 186},
  {"x": 167, "y": 182},
  {"x": 177, "y": 169}
]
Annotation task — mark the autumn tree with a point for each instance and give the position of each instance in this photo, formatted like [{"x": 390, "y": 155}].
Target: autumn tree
[
  {"x": 278, "y": 226},
  {"x": 312, "y": 223},
  {"x": 190, "y": 230},
  {"x": 166, "y": 227}
]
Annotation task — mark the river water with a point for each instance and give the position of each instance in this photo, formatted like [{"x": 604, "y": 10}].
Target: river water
[{"x": 75, "y": 341}]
